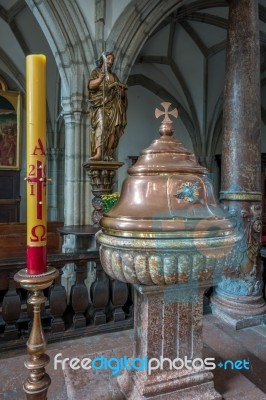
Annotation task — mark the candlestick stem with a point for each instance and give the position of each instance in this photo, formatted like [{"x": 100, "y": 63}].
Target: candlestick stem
[{"x": 38, "y": 381}]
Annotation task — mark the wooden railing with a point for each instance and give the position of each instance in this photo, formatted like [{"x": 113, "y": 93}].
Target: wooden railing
[{"x": 91, "y": 306}]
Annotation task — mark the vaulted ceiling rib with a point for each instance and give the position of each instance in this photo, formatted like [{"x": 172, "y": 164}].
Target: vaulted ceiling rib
[{"x": 70, "y": 39}]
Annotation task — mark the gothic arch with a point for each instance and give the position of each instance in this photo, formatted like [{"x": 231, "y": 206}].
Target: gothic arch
[
  {"x": 69, "y": 39},
  {"x": 132, "y": 29},
  {"x": 14, "y": 73},
  {"x": 138, "y": 22},
  {"x": 158, "y": 90}
]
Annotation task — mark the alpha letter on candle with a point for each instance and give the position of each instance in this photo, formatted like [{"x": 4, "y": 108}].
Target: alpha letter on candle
[{"x": 36, "y": 163}]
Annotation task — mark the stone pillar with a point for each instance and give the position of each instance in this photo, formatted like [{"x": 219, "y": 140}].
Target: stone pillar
[
  {"x": 55, "y": 188},
  {"x": 100, "y": 12},
  {"x": 168, "y": 326},
  {"x": 238, "y": 298},
  {"x": 206, "y": 161},
  {"x": 76, "y": 195}
]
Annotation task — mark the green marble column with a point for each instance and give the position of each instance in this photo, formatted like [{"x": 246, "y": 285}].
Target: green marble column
[{"x": 238, "y": 298}]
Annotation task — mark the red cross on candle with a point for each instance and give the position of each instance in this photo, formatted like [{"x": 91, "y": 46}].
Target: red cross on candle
[{"x": 40, "y": 181}]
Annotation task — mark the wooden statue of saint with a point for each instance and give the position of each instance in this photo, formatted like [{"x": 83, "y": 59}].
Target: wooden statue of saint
[{"x": 108, "y": 105}]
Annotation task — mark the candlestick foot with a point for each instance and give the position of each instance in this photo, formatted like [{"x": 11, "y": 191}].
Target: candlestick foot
[
  {"x": 38, "y": 382},
  {"x": 36, "y": 386}
]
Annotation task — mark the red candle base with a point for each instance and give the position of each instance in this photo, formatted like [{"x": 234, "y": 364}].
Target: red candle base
[{"x": 36, "y": 260}]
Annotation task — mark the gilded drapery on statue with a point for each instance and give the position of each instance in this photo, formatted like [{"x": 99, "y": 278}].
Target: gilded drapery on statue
[{"x": 108, "y": 105}]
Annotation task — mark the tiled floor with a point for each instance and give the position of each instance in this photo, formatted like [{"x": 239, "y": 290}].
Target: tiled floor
[{"x": 220, "y": 342}]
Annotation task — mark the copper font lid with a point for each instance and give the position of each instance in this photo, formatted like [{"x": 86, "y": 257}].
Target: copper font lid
[{"x": 167, "y": 193}]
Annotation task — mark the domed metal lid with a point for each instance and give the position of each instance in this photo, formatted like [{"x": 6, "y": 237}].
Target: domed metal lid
[{"x": 167, "y": 194}]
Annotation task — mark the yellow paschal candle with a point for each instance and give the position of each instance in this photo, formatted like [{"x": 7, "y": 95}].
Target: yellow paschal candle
[{"x": 36, "y": 163}]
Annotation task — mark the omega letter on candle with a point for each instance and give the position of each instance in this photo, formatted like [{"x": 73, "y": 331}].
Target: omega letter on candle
[{"x": 36, "y": 163}]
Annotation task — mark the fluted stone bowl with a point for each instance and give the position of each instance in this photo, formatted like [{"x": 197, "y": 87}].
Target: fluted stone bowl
[{"x": 167, "y": 261}]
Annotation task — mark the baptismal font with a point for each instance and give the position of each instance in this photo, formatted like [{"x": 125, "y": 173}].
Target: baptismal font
[{"x": 170, "y": 239}]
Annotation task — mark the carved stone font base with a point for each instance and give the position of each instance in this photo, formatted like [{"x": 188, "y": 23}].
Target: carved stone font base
[{"x": 168, "y": 325}]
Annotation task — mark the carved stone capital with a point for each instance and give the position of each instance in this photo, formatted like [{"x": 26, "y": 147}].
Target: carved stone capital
[{"x": 101, "y": 174}]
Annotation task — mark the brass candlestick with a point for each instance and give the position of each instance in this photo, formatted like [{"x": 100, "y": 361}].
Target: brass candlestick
[{"x": 38, "y": 381}]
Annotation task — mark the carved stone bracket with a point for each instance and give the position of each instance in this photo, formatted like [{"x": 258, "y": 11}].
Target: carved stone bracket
[{"x": 101, "y": 174}]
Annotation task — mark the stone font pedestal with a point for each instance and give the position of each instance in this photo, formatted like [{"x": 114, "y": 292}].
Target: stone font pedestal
[{"x": 168, "y": 325}]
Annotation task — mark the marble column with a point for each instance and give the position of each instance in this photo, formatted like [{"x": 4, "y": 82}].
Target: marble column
[{"x": 238, "y": 298}]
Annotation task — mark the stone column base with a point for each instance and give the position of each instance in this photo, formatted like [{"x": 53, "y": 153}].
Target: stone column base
[
  {"x": 238, "y": 311},
  {"x": 196, "y": 386}
]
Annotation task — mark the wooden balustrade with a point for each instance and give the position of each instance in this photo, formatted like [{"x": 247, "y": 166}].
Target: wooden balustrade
[{"x": 100, "y": 307}]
